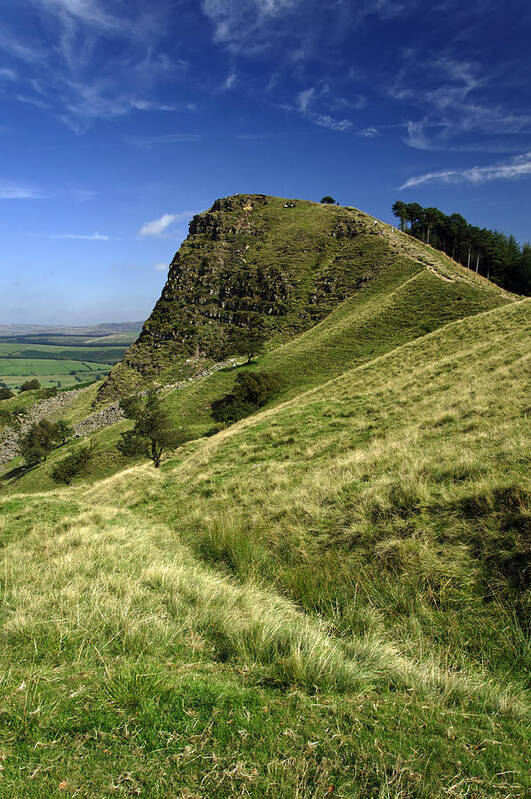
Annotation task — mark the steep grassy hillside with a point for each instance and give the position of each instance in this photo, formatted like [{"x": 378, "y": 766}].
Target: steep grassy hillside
[
  {"x": 291, "y": 264},
  {"x": 326, "y": 599}
]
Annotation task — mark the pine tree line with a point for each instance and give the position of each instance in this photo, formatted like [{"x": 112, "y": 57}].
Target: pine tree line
[{"x": 488, "y": 252}]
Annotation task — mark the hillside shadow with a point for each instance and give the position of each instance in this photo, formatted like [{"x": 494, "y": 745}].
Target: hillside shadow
[{"x": 17, "y": 472}]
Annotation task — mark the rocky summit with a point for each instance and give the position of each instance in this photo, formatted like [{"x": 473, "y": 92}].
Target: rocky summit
[{"x": 285, "y": 265}]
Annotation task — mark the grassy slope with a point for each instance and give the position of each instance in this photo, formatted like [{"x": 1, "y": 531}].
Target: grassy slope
[{"x": 325, "y": 599}]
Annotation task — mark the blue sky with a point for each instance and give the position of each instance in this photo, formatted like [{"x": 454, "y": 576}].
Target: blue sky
[{"x": 122, "y": 118}]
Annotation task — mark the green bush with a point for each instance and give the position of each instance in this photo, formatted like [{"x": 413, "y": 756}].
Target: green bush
[
  {"x": 38, "y": 442},
  {"x": 30, "y": 385},
  {"x": 72, "y": 465},
  {"x": 251, "y": 390}
]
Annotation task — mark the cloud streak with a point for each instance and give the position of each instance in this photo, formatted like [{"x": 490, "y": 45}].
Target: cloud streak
[
  {"x": 16, "y": 191},
  {"x": 516, "y": 168},
  {"x": 101, "y": 60},
  {"x": 460, "y": 103},
  {"x": 81, "y": 236},
  {"x": 157, "y": 226}
]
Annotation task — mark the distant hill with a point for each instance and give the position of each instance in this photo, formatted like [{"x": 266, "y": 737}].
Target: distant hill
[
  {"x": 61, "y": 334},
  {"x": 354, "y": 285},
  {"x": 8, "y": 331}
]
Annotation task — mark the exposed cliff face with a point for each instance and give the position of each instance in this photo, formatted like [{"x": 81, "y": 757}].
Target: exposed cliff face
[{"x": 252, "y": 256}]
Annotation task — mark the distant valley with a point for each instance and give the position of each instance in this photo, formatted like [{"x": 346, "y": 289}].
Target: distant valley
[{"x": 61, "y": 356}]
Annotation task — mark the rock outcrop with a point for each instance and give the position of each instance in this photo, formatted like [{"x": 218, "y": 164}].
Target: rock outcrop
[
  {"x": 50, "y": 408},
  {"x": 248, "y": 257}
]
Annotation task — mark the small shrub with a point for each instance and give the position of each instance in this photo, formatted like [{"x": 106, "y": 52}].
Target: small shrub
[
  {"x": 5, "y": 393},
  {"x": 72, "y": 466},
  {"x": 30, "y": 385},
  {"x": 46, "y": 393},
  {"x": 251, "y": 390}
]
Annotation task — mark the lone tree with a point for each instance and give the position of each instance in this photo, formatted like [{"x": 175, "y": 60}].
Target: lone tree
[
  {"x": 29, "y": 385},
  {"x": 38, "y": 442},
  {"x": 250, "y": 338},
  {"x": 153, "y": 432},
  {"x": 64, "y": 431},
  {"x": 327, "y": 200},
  {"x": 73, "y": 465}
]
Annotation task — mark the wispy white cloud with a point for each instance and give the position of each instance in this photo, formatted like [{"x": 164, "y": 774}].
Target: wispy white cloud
[
  {"x": 149, "y": 105},
  {"x": 17, "y": 191},
  {"x": 307, "y": 102},
  {"x": 244, "y": 24},
  {"x": 305, "y": 98},
  {"x": 73, "y": 77},
  {"x": 86, "y": 11},
  {"x": 369, "y": 133},
  {"x": 517, "y": 167},
  {"x": 102, "y": 98},
  {"x": 8, "y": 74},
  {"x": 455, "y": 96},
  {"x": 157, "y": 226},
  {"x": 356, "y": 103},
  {"x": 251, "y": 26},
  {"x": 230, "y": 81},
  {"x": 326, "y": 121},
  {"x": 160, "y": 267},
  {"x": 148, "y": 142},
  {"x": 81, "y": 236},
  {"x": 28, "y": 53},
  {"x": 35, "y": 101}
]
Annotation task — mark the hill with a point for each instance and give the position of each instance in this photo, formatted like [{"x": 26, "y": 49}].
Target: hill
[
  {"x": 327, "y": 598},
  {"x": 287, "y": 265}
]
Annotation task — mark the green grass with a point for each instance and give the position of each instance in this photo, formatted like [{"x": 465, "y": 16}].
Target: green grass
[
  {"x": 52, "y": 363},
  {"x": 50, "y": 373},
  {"x": 103, "y": 354},
  {"x": 44, "y": 366},
  {"x": 326, "y": 599}
]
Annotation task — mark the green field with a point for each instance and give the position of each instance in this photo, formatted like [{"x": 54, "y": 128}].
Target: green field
[
  {"x": 45, "y": 366},
  {"x": 62, "y": 365},
  {"x": 60, "y": 373},
  {"x": 100, "y": 354}
]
